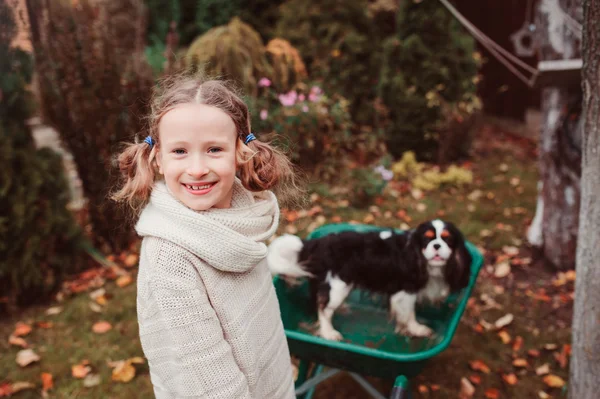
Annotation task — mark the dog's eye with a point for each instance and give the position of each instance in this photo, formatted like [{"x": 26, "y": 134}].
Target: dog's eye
[
  {"x": 445, "y": 234},
  {"x": 430, "y": 234}
]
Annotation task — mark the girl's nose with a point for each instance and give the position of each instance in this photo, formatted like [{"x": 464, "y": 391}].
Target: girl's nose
[{"x": 197, "y": 167}]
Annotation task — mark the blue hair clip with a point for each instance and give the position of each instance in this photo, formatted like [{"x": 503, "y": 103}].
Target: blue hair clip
[
  {"x": 250, "y": 137},
  {"x": 148, "y": 140}
]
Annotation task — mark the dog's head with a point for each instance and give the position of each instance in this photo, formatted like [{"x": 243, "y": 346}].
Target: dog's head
[{"x": 442, "y": 247}]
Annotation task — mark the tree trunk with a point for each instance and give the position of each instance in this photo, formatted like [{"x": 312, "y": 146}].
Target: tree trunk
[
  {"x": 584, "y": 382},
  {"x": 554, "y": 228}
]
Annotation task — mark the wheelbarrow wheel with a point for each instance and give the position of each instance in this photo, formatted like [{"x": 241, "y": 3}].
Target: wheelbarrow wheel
[{"x": 401, "y": 389}]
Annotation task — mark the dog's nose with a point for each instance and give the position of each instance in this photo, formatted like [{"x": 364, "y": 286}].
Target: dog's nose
[{"x": 436, "y": 246}]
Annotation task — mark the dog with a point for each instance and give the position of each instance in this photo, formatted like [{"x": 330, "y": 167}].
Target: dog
[{"x": 423, "y": 264}]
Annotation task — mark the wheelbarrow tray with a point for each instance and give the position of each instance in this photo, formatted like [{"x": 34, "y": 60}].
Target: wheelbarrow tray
[{"x": 370, "y": 345}]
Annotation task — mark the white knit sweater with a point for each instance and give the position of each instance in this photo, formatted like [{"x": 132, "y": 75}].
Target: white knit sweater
[{"x": 209, "y": 319}]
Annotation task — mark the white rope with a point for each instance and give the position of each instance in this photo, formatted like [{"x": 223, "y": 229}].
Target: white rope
[{"x": 494, "y": 48}]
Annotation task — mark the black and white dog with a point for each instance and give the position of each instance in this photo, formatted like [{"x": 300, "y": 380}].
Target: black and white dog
[{"x": 424, "y": 264}]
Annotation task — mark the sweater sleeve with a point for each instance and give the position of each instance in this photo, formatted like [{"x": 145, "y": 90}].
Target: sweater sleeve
[{"x": 198, "y": 361}]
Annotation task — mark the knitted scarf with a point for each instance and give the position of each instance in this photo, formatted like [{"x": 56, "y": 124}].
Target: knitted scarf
[{"x": 227, "y": 239}]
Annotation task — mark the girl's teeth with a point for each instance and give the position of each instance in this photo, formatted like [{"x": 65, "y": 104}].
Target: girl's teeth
[{"x": 199, "y": 187}]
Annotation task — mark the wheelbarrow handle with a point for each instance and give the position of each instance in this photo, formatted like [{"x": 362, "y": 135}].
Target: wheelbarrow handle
[{"x": 401, "y": 388}]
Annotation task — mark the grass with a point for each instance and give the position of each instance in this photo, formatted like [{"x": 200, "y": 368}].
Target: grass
[{"x": 501, "y": 213}]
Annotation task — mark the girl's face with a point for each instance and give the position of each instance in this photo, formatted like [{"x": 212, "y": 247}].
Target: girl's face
[{"x": 197, "y": 155}]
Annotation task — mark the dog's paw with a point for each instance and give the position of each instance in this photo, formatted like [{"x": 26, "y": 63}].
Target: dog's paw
[
  {"x": 414, "y": 330},
  {"x": 331, "y": 334}
]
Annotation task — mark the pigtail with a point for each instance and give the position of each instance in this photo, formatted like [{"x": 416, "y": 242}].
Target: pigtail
[
  {"x": 137, "y": 173},
  {"x": 264, "y": 167}
]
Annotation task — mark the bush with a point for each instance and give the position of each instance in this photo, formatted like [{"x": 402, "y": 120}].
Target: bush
[
  {"x": 94, "y": 84},
  {"x": 339, "y": 43},
  {"x": 286, "y": 63},
  {"x": 234, "y": 51},
  {"x": 315, "y": 128},
  {"x": 38, "y": 235},
  {"x": 428, "y": 80},
  {"x": 368, "y": 183}
]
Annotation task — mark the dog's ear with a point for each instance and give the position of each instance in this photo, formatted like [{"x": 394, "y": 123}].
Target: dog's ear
[
  {"x": 458, "y": 269},
  {"x": 414, "y": 257}
]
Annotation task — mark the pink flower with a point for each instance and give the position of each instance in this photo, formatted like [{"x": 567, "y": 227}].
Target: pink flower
[
  {"x": 315, "y": 94},
  {"x": 305, "y": 108},
  {"x": 288, "y": 99},
  {"x": 301, "y": 97},
  {"x": 264, "y": 82},
  {"x": 264, "y": 114}
]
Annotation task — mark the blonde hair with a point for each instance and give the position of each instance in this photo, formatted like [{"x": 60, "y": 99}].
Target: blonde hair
[{"x": 260, "y": 165}]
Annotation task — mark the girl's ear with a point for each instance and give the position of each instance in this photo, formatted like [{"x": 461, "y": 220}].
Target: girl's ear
[{"x": 159, "y": 161}]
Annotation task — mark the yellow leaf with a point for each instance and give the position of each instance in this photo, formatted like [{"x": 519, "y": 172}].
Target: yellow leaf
[
  {"x": 478, "y": 365},
  {"x": 510, "y": 379},
  {"x": 554, "y": 381},
  {"x": 505, "y": 337},
  {"x": 123, "y": 372},
  {"x": 101, "y": 327},
  {"x": 124, "y": 281},
  {"x": 21, "y": 386},
  {"x": 520, "y": 363}
]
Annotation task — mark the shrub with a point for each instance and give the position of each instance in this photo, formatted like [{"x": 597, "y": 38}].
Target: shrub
[
  {"x": 428, "y": 72},
  {"x": 94, "y": 84},
  {"x": 368, "y": 183},
  {"x": 314, "y": 127},
  {"x": 234, "y": 51},
  {"x": 38, "y": 236},
  {"x": 288, "y": 67},
  {"x": 339, "y": 43}
]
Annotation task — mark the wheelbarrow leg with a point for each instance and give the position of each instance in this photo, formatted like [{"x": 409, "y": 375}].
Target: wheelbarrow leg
[{"x": 401, "y": 389}]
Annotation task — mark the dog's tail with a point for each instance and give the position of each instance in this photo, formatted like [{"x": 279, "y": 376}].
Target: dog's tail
[{"x": 282, "y": 257}]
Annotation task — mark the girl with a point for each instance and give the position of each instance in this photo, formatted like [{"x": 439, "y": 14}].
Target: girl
[{"x": 209, "y": 320}]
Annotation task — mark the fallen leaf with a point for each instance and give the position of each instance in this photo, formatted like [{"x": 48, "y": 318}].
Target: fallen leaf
[
  {"x": 21, "y": 386},
  {"x": 123, "y": 371},
  {"x": 44, "y": 324},
  {"x": 554, "y": 381},
  {"x": 369, "y": 219},
  {"x": 434, "y": 387},
  {"x": 504, "y": 336},
  {"x": 563, "y": 357},
  {"x": 550, "y": 347},
  {"x": 502, "y": 270},
  {"x": 91, "y": 380},
  {"x": 467, "y": 390},
  {"x": 475, "y": 379},
  {"x": 130, "y": 260},
  {"x": 423, "y": 389},
  {"x": 510, "y": 379},
  {"x": 336, "y": 219},
  {"x": 543, "y": 369},
  {"x": 53, "y": 310},
  {"x": 21, "y": 329},
  {"x": 101, "y": 327},
  {"x": 80, "y": 370},
  {"x": 517, "y": 344},
  {"x": 27, "y": 356},
  {"x": 510, "y": 250},
  {"x": 478, "y": 365},
  {"x": 519, "y": 362},
  {"x": 543, "y": 395},
  {"x": 17, "y": 341},
  {"x": 124, "y": 281},
  {"x": 504, "y": 321},
  {"x": 421, "y": 207},
  {"x": 492, "y": 393},
  {"x": 533, "y": 352},
  {"x": 47, "y": 382},
  {"x": 5, "y": 389}
]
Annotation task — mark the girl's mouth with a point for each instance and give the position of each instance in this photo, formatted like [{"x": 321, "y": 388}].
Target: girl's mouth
[{"x": 199, "y": 189}]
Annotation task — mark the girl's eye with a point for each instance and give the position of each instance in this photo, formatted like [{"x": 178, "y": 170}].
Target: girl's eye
[
  {"x": 179, "y": 151},
  {"x": 215, "y": 150}
]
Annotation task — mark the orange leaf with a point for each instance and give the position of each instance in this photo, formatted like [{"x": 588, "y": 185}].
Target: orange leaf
[
  {"x": 434, "y": 387},
  {"x": 504, "y": 336},
  {"x": 291, "y": 216},
  {"x": 554, "y": 381},
  {"x": 5, "y": 390},
  {"x": 21, "y": 329},
  {"x": 124, "y": 281},
  {"x": 123, "y": 371},
  {"x": 130, "y": 260},
  {"x": 423, "y": 389},
  {"x": 475, "y": 379},
  {"x": 44, "y": 324},
  {"x": 533, "y": 352},
  {"x": 517, "y": 344},
  {"x": 17, "y": 341},
  {"x": 478, "y": 365},
  {"x": 510, "y": 379},
  {"x": 520, "y": 363},
  {"x": 492, "y": 393},
  {"x": 80, "y": 370},
  {"x": 101, "y": 327},
  {"x": 47, "y": 382}
]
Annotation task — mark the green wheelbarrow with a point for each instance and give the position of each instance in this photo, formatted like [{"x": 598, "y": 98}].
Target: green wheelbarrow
[{"x": 370, "y": 346}]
